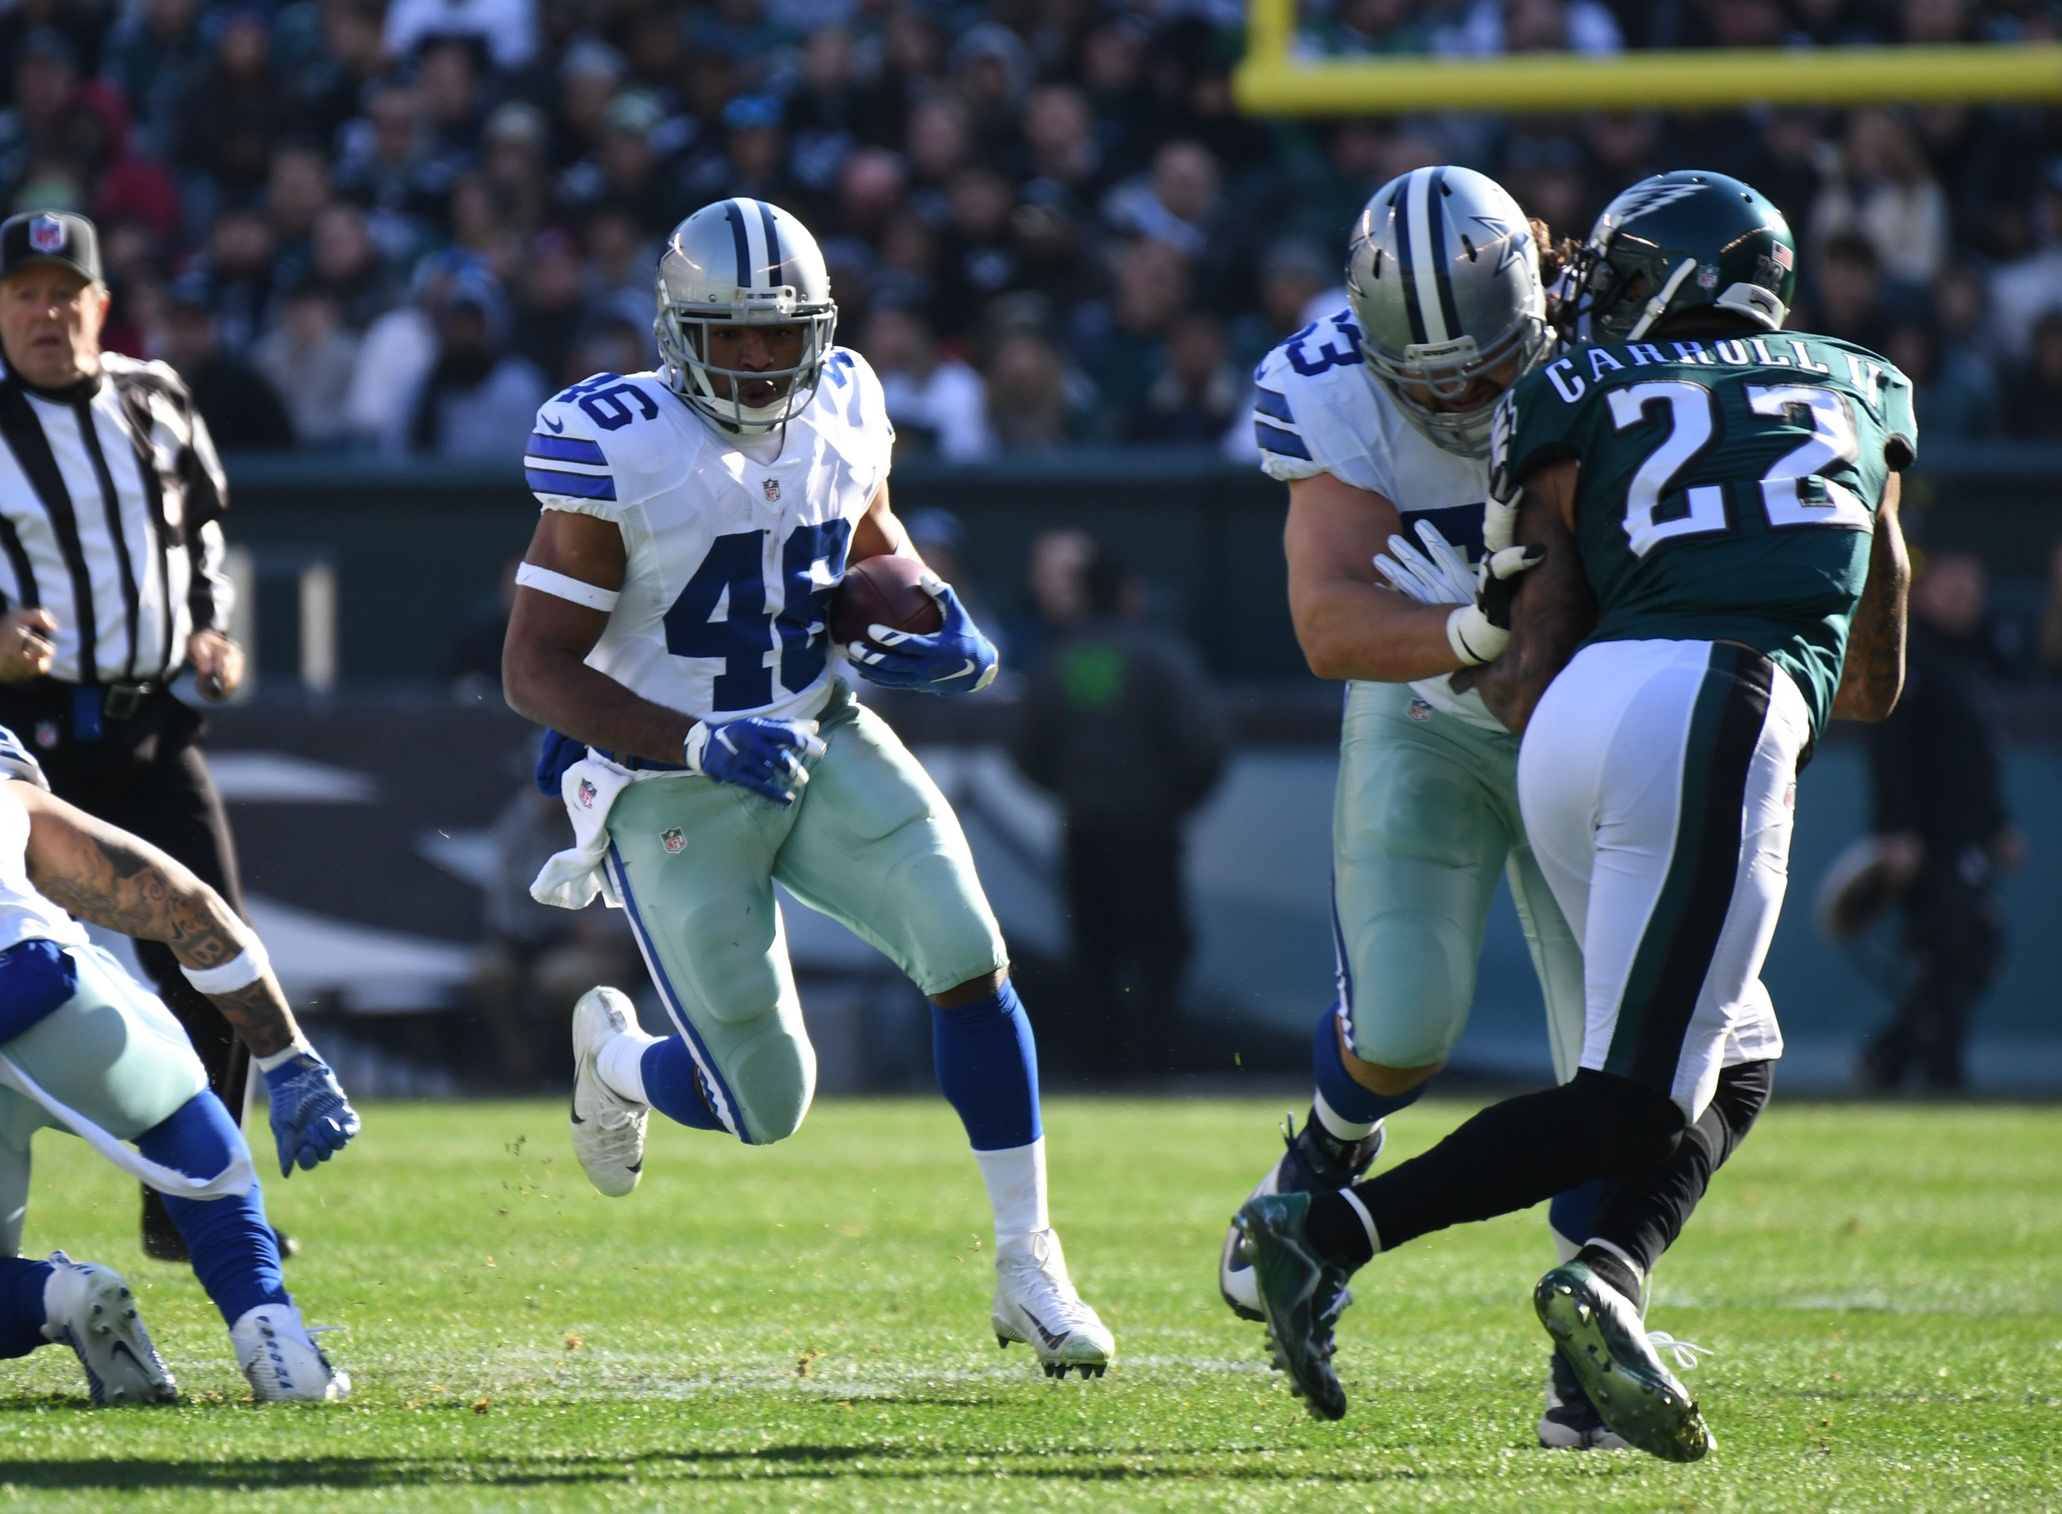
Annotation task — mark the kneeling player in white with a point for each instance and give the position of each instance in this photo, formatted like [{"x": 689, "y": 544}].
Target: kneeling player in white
[
  {"x": 1378, "y": 419},
  {"x": 671, "y": 620},
  {"x": 86, "y": 1049}
]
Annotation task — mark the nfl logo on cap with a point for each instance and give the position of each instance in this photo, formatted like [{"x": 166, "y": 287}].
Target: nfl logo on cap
[{"x": 47, "y": 234}]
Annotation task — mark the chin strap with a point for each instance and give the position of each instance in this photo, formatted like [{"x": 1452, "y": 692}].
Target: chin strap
[{"x": 1657, "y": 307}]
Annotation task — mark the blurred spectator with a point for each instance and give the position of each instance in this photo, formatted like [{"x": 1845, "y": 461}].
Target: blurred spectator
[
  {"x": 506, "y": 28},
  {"x": 237, "y": 273},
  {"x": 515, "y": 146},
  {"x": 478, "y": 400},
  {"x": 1369, "y": 26},
  {"x": 1197, "y": 392},
  {"x": 1848, "y": 293},
  {"x": 1879, "y": 188},
  {"x": 297, "y": 190},
  {"x": 1177, "y": 204},
  {"x": 2033, "y": 400},
  {"x": 308, "y": 359},
  {"x": 1954, "y": 398},
  {"x": 937, "y": 403},
  {"x": 550, "y": 306},
  {"x": 2028, "y": 287},
  {"x": 344, "y": 264},
  {"x": 234, "y": 112},
  {"x": 1121, "y": 725},
  {"x": 1942, "y": 827},
  {"x": 1152, "y": 288},
  {"x": 153, "y": 55},
  {"x": 46, "y": 83},
  {"x": 1029, "y": 408},
  {"x": 244, "y": 412},
  {"x": 976, "y": 253},
  {"x": 1488, "y": 27}
]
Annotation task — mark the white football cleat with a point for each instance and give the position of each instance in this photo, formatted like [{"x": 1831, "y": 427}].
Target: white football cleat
[
  {"x": 89, "y": 1308},
  {"x": 1035, "y": 1303},
  {"x": 279, "y": 1355},
  {"x": 608, "y": 1129}
]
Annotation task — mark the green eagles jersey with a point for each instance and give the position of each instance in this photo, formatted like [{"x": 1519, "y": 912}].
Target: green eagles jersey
[{"x": 1728, "y": 490}]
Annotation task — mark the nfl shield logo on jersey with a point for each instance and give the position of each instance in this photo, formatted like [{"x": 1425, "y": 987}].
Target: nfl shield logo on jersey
[
  {"x": 46, "y": 734},
  {"x": 673, "y": 841},
  {"x": 585, "y": 795},
  {"x": 46, "y": 234},
  {"x": 1420, "y": 711},
  {"x": 770, "y": 487}
]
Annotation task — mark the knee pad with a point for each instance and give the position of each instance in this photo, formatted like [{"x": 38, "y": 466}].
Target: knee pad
[{"x": 772, "y": 1079}]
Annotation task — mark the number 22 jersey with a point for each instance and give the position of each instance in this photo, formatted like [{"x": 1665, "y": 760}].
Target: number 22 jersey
[
  {"x": 1728, "y": 489},
  {"x": 735, "y": 544}
]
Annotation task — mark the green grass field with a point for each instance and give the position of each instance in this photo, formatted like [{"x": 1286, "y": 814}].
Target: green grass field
[{"x": 806, "y": 1326}]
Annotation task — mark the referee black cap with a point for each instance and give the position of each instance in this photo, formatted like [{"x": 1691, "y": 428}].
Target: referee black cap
[{"x": 50, "y": 236}]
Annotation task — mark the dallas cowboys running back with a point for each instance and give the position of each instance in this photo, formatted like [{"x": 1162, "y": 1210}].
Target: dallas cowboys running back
[
  {"x": 86, "y": 1049},
  {"x": 1378, "y": 419},
  {"x": 671, "y": 621}
]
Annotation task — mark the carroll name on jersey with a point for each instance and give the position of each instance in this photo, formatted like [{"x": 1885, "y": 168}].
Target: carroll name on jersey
[
  {"x": 1318, "y": 408},
  {"x": 732, "y": 560}
]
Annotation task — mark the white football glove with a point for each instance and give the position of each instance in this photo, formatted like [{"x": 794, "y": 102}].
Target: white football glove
[
  {"x": 1479, "y": 630},
  {"x": 1442, "y": 578}
]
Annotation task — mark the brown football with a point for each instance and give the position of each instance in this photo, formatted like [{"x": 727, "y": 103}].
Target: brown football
[{"x": 882, "y": 591}]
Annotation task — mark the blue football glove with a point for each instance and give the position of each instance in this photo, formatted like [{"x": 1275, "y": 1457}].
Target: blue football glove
[
  {"x": 769, "y": 757},
  {"x": 311, "y": 1119},
  {"x": 954, "y": 659}
]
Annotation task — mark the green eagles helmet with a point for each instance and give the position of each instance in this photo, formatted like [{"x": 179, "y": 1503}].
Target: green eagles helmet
[{"x": 1675, "y": 242}]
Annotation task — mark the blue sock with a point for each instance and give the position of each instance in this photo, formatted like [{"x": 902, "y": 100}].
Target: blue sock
[
  {"x": 988, "y": 1069},
  {"x": 672, "y": 1084},
  {"x": 21, "y": 1305},
  {"x": 1573, "y": 1214},
  {"x": 234, "y": 1253},
  {"x": 1348, "y": 1099}
]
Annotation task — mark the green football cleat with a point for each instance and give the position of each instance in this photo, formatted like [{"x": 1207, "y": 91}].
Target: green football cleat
[
  {"x": 1302, "y": 1293},
  {"x": 1599, "y": 1334}
]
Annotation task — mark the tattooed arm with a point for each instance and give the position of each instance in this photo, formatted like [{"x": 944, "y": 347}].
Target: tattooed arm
[
  {"x": 108, "y": 877},
  {"x": 1873, "y": 675},
  {"x": 1553, "y": 609}
]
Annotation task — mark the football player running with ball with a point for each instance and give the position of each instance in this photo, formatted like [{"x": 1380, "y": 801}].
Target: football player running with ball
[
  {"x": 671, "y": 620},
  {"x": 1378, "y": 418},
  {"x": 1710, "y": 507}
]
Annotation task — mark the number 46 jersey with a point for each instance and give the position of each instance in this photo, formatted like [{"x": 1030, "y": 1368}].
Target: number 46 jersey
[
  {"x": 1728, "y": 490},
  {"x": 732, "y": 560}
]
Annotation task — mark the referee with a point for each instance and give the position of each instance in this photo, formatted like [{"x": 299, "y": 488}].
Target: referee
[{"x": 111, "y": 584}]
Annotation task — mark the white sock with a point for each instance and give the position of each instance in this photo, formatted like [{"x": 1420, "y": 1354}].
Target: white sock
[
  {"x": 1336, "y": 1123},
  {"x": 1016, "y": 1188},
  {"x": 621, "y": 1063}
]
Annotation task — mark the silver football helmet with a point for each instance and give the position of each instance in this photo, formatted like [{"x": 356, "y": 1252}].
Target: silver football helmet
[
  {"x": 1443, "y": 276},
  {"x": 742, "y": 262}
]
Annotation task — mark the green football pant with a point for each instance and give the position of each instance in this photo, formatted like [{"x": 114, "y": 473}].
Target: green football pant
[
  {"x": 1425, "y": 820},
  {"x": 869, "y": 841},
  {"x": 113, "y": 1053}
]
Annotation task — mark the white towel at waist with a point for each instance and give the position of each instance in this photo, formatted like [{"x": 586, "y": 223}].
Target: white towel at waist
[{"x": 570, "y": 879}]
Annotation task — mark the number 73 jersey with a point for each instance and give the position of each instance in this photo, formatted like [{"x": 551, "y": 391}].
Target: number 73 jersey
[
  {"x": 732, "y": 561},
  {"x": 1727, "y": 490}
]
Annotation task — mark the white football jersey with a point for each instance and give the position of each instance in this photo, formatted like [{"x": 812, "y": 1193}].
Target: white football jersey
[
  {"x": 26, "y": 915},
  {"x": 1318, "y": 408},
  {"x": 732, "y": 562}
]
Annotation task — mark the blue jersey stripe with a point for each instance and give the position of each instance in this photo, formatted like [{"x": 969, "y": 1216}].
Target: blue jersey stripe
[
  {"x": 578, "y": 485},
  {"x": 1283, "y": 443},
  {"x": 565, "y": 449},
  {"x": 1269, "y": 403}
]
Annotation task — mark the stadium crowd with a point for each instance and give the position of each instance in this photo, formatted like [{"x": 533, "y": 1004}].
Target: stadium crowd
[{"x": 401, "y": 228}]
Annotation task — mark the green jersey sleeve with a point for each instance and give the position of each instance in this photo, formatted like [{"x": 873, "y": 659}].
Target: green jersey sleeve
[{"x": 1532, "y": 429}]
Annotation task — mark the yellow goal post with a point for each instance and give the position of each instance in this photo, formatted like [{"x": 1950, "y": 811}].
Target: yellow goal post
[{"x": 1271, "y": 81}]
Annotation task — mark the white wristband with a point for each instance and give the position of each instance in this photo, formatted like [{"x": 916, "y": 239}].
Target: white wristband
[
  {"x": 298, "y": 1047},
  {"x": 240, "y": 971},
  {"x": 1473, "y": 639}
]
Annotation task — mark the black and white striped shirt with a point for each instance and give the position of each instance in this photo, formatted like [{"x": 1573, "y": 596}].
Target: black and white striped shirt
[{"x": 110, "y": 502}]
